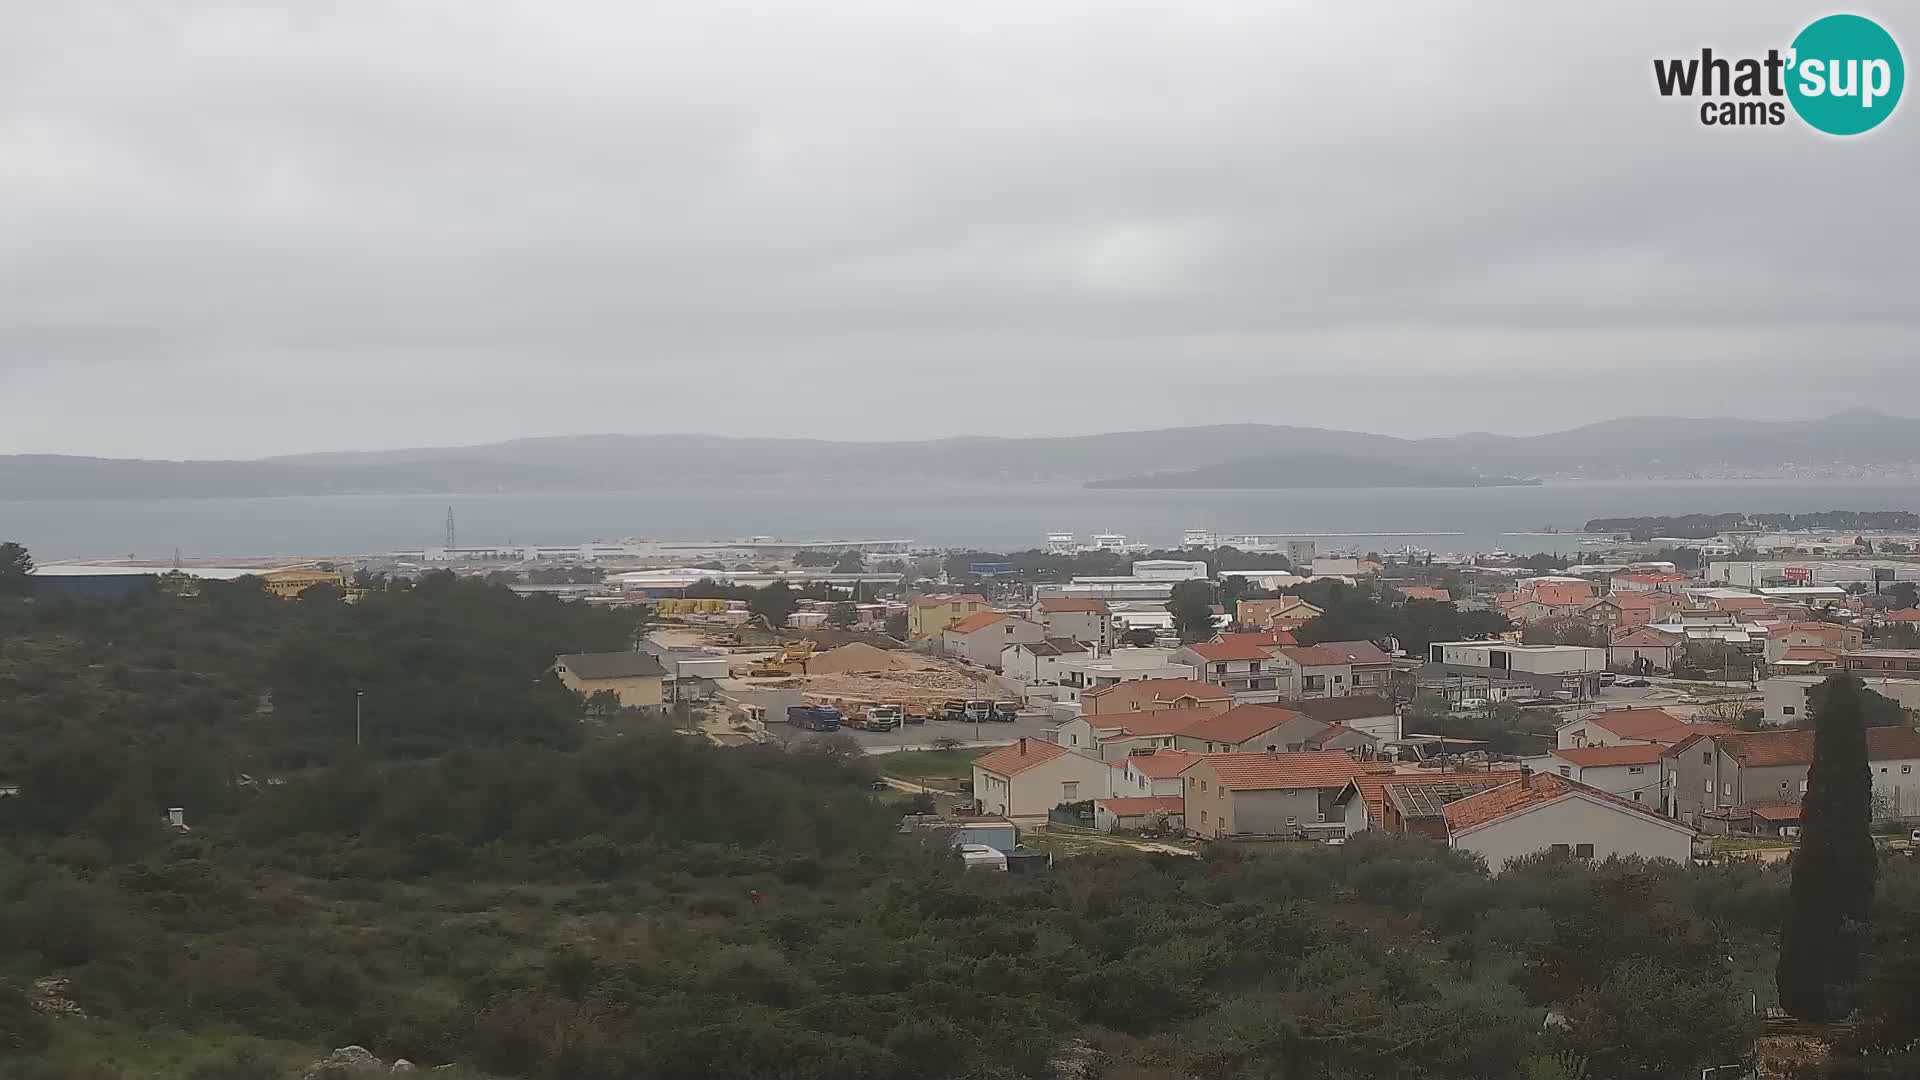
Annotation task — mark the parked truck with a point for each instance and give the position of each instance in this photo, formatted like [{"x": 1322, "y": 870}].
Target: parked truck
[
  {"x": 882, "y": 717},
  {"x": 814, "y": 717}
]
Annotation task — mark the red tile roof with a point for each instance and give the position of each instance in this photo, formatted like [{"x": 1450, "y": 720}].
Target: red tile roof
[
  {"x": 1650, "y": 725},
  {"x": 1903, "y": 615},
  {"x": 1161, "y": 764},
  {"x": 1529, "y": 791},
  {"x": 1240, "y": 723},
  {"x": 1374, "y": 782},
  {"x": 1272, "y": 772},
  {"x": 1315, "y": 655},
  {"x": 1820, "y": 628},
  {"x": 1018, "y": 758},
  {"x": 1588, "y": 757},
  {"x": 1774, "y": 811},
  {"x": 1143, "y": 805},
  {"x": 1060, "y": 605},
  {"x": 943, "y": 599},
  {"x": 1224, "y": 650},
  {"x": 1562, "y": 595},
  {"x": 1765, "y": 748},
  {"x": 1424, "y": 592},
  {"x": 979, "y": 620},
  {"x": 1266, "y": 639}
]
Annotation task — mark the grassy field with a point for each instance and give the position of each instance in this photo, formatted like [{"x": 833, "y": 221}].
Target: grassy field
[{"x": 929, "y": 765}]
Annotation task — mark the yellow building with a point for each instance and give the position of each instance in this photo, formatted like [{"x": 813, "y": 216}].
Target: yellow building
[
  {"x": 928, "y": 616},
  {"x": 636, "y": 678},
  {"x": 288, "y": 582}
]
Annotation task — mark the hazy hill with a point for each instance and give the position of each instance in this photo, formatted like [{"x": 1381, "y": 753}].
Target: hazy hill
[
  {"x": 1629, "y": 447},
  {"x": 1306, "y": 471}
]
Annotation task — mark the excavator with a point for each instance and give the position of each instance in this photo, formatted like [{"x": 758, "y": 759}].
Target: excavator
[{"x": 794, "y": 656}]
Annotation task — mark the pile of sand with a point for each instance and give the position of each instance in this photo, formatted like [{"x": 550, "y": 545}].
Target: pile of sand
[{"x": 854, "y": 657}]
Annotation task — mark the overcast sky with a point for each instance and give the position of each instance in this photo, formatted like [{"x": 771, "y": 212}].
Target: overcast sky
[{"x": 242, "y": 227}]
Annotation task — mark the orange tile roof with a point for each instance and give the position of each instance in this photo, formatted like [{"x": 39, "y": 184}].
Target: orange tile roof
[
  {"x": 1227, "y": 650},
  {"x": 1636, "y": 723},
  {"x": 1774, "y": 811},
  {"x": 1903, "y": 615},
  {"x": 1562, "y": 595},
  {"x": 1164, "y": 690},
  {"x": 979, "y": 620},
  {"x": 1266, "y": 639},
  {"x": 1820, "y": 628},
  {"x": 1058, "y": 605},
  {"x": 1143, "y": 805},
  {"x": 1018, "y": 758},
  {"x": 1240, "y": 723},
  {"x": 1158, "y": 722},
  {"x": 1424, "y": 592},
  {"x": 1639, "y": 599},
  {"x": 1588, "y": 757},
  {"x": 1161, "y": 764},
  {"x": 1271, "y": 772},
  {"x": 1532, "y": 790}
]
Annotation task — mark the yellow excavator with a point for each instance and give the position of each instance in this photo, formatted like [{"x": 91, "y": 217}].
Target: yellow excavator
[{"x": 794, "y": 656}]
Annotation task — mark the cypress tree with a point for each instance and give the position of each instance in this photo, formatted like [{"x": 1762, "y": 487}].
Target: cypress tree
[{"x": 1835, "y": 869}]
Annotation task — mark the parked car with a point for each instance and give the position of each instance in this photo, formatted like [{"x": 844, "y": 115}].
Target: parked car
[
  {"x": 1471, "y": 704},
  {"x": 1635, "y": 683},
  {"x": 1006, "y": 711}
]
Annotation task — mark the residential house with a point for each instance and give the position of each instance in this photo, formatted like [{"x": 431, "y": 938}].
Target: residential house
[
  {"x": 1341, "y": 737},
  {"x": 1785, "y": 699},
  {"x": 1154, "y": 773},
  {"x": 1548, "y": 812},
  {"x": 1633, "y": 771},
  {"x": 1604, "y": 613},
  {"x": 1264, "y": 794},
  {"x": 1526, "y": 611},
  {"x": 1643, "y": 608},
  {"x": 1244, "y": 669},
  {"x": 928, "y": 615},
  {"x": 1376, "y": 716},
  {"x": 1083, "y": 619},
  {"x": 1900, "y": 617},
  {"x": 1370, "y": 671},
  {"x": 1805, "y": 660},
  {"x": 1279, "y": 613},
  {"x": 1645, "y": 582},
  {"x": 1149, "y": 695},
  {"x": 1148, "y": 813},
  {"x": 1112, "y": 736},
  {"x": 1248, "y": 728},
  {"x": 1714, "y": 771},
  {"x": 1089, "y": 671},
  {"x": 1032, "y": 663},
  {"x": 636, "y": 678},
  {"x": 1832, "y": 637},
  {"x": 1319, "y": 670},
  {"x": 1643, "y": 650},
  {"x": 1031, "y": 777},
  {"x": 1628, "y": 727},
  {"x": 980, "y": 638},
  {"x": 1424, "y": 592},
  {"x": 1884, "y": 663},
  {"x": 1384, "y": 799}
]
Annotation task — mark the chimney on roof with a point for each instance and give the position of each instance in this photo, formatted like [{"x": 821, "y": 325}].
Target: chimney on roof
[
  {"x": 1526, "y": 777},
  {"x": 1023, "y": 746},
  {"x": 1273, "y": 752}
]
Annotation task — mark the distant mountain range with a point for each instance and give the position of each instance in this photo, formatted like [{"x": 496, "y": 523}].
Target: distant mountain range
[
  {"x": 1305, "y": 471},
  {"x": 1234, "y": 455}
]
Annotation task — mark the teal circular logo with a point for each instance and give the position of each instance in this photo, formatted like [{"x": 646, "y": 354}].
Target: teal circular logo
[{"x": 1846, "y": 74}]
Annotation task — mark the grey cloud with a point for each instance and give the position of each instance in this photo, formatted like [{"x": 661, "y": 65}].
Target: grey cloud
[{"x": 472, "y": 220}]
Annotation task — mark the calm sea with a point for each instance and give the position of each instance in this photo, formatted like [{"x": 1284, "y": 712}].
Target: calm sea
[{"x": 1442, "y": 520}]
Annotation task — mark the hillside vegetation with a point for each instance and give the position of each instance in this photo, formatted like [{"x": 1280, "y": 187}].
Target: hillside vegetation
[{"x": 492, "y": 884}]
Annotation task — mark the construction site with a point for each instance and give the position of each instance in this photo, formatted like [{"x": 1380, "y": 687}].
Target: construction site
[{"x": 770, "y": 670}]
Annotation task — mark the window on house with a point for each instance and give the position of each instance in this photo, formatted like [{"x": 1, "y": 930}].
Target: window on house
[
  {"x": 1905, "y": 769},
  {"x": 1069, "y": 791},
  {"x": 1220, "y": 793},
  {"x": 1203, "y": 817},
  {"x": 1631, "y": 769},
  {"x": 1709, "y": 783},
  {"x": 1803, "y": 787},
  {"x": 1726, "y": 790},
  {"x": 1786, "y": 710},
  {"x": 1562, "y": 849},
  {"x": 1583, "y": 851},
  {"x": 1706, "y": 757},
  {"x": 1636, "y": 796},
  {"x": 1566, "y": 770}
]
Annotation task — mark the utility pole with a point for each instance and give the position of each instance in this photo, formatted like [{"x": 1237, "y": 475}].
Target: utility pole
[{"x": 358, "y": 697}]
